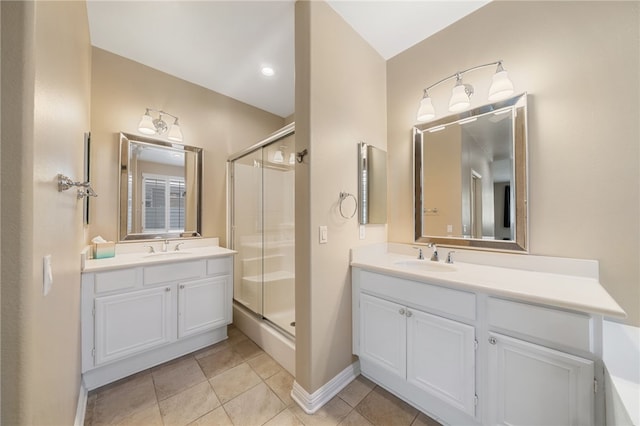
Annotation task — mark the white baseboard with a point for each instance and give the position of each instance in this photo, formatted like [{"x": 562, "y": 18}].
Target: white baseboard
[
  {"x": 81, "y": 409},
  {"x": 311, "y": 403}
]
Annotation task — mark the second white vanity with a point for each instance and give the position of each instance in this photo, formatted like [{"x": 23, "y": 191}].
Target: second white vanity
[
  {"x": 493, "y": 339},
  {"x": 140, "y": 309}
]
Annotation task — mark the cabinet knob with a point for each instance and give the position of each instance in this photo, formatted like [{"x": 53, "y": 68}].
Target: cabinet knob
[
  {"x": 492, "y": 340},
  {"x": 181, "y": 286},
  {"x": 409, "y": 313},
  {"x": 167, "y": 289},
  {"x": 401, "y": 311}
]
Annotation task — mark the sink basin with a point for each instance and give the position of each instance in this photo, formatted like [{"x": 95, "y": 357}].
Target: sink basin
[
  {"x": 167, "y": 254},
  {"x": 425, "y": 265}
]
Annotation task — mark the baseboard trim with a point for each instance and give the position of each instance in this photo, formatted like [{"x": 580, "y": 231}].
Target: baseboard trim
[
  {"x": 311, "y": 403},
  {"x": 81, "y": 408}
]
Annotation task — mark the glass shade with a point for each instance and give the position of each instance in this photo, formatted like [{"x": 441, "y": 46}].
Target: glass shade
[
  {"x": 175, "y": 134},
  {"x": 278, "y": 157},
  {"x": 146, "y": 125},
  {"x": 292, "y": 158},
  {"x": 501, "y": 86},
  {"x": 426, "y": 111},
  {"x": 459, "y": 99}
]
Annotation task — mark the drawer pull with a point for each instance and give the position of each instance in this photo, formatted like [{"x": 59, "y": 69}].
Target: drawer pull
[
  {"x": 401, "y": 311},
  {"x": 492, "y": 340},
  {"x": 181, "y": 286},
  {"x": 409, "y": 313},
  {"x": 167, "y": 289}
]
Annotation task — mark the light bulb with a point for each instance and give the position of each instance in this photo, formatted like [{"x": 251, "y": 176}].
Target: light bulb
[
  {"x": 426, "y": 111},
  {"x": 501, "y": 86},
  {"x": 146, "y": 125},
  {"x": 175, "y": 134},
  {"x": 459, "y": 98}
]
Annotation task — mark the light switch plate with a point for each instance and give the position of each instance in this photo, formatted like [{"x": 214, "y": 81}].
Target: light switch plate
[{"x": 322, "y": 234}]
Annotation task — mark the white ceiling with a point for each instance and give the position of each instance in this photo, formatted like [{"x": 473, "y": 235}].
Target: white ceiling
[{"x": 222, "y": 45}]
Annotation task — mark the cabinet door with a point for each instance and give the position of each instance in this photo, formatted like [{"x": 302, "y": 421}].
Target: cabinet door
[
  {"x": 126, "y": 324},
  {"x": 441, "y": 358},
  {"x": 202, "y": 305},
  {"x": 535, "y": 385},
  {"x": 383, "y": 334}
]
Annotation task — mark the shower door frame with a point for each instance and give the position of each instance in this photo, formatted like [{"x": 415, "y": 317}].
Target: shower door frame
[{"x": 283, "y": 133}]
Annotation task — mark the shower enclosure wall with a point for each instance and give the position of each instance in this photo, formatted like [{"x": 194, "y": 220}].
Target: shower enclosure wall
[{"x": 262, "y": 228}]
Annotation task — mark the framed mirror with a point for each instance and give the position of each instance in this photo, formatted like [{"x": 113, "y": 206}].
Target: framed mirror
[
  {"x": 372, "y": 184},
  {"x": 160, "y": 189},
  {"x": 470, "y": 178}
]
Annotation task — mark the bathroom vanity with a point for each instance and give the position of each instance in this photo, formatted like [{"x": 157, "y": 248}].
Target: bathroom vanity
[
  {"x": 140, "y": 309},
  {"x": 492, "y": 339}
]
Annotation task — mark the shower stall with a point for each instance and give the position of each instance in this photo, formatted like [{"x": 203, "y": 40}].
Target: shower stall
[{"x": 261, "y": 224}]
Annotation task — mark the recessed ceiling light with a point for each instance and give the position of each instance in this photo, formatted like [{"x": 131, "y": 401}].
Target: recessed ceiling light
[{"x": 267, "y": 71}]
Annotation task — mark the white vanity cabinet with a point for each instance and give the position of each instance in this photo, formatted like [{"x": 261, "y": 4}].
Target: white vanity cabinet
[
  {"x": 138, "y": 316},
  {"x": 413, "y": 338},
  {"x": 466, "y": 357}
]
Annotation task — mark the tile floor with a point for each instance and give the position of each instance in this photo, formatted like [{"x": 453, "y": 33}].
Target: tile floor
[{"x": 236, "y": 383}]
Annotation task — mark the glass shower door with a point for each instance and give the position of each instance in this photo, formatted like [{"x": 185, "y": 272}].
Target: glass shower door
[
  {"x": 279, "y": 231},
  {"x": 247, "y": 230}
]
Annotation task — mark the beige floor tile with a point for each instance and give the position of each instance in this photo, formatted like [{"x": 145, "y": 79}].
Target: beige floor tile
[
  {"x": 211, "y": 349},
  {"x": 216, "y": 363},
  {"x": 254, "y": 407},
  {"x": 355, "y": 391},
  {"x": 264, "y": 365},
  {"x": 188, "y": 405},
  {"x": 217, "y": 417},
  {"x": 285, "y": 418},
  {"x": 91, "y": 403},
  {"x": 234, "y": 381},
  {"x": 355, "y": 419},
  {"x": 115, "y": 403},
  {"x": 235, "y": 335},
  {"x": 149, "y": 416},
  {"x": 247, "y": 349},
  {"x": 176, "y": 377},
  {"x": 424, "y": 420},
  {"x": 282, "y": 383},
  {"x": 331, "y": 414},
  {"x": 382, "y": 408}
]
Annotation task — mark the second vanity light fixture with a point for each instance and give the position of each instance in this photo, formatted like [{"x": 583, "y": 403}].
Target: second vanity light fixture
[
  {"x": 152, "y": 126},
  {"x": 501, "y": 88}
]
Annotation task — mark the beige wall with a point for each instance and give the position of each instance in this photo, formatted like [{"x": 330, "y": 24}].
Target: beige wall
[
  {"x": 340, "y": 100},
  {"x": 122, "y": 89},
  {"x": 580, "y": 63},
  {"x": 45, "y": 105}
]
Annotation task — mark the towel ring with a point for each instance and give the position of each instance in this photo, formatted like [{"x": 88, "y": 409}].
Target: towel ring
[{"x": 344, "y": 196}]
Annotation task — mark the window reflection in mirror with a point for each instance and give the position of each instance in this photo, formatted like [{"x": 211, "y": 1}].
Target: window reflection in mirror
[
  {"x": 159, "y": 189},
  {"x": 470, "y": 183}
]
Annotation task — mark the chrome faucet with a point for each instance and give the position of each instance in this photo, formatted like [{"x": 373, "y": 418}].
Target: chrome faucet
[
  {"x": 434, "y": 256},
  {"x": 178, "y": 246},
  {"x": 165, "y": 246},
  {"x": 151, "y": 249}
]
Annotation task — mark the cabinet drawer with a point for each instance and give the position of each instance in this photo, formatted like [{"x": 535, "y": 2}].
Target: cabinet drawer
[
  {"x": 120, "y": 279},
  {"x": 555, "y": 326},
  {"x": 218, "y": 266},
  {"x": 174, "y": 272},
  {"x": 421, "y": 295}
]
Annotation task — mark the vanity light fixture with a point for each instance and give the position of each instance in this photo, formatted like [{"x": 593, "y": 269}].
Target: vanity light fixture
[
  {"x": 157, "y": 126},
  {"x": 501, "y": 88},
  {"x": 278, "y": 156}
]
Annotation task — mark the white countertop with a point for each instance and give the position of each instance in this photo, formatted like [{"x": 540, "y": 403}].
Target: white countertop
[
  {"x": 576, "y": 291},
  {"x": 135, "y": 254}
]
